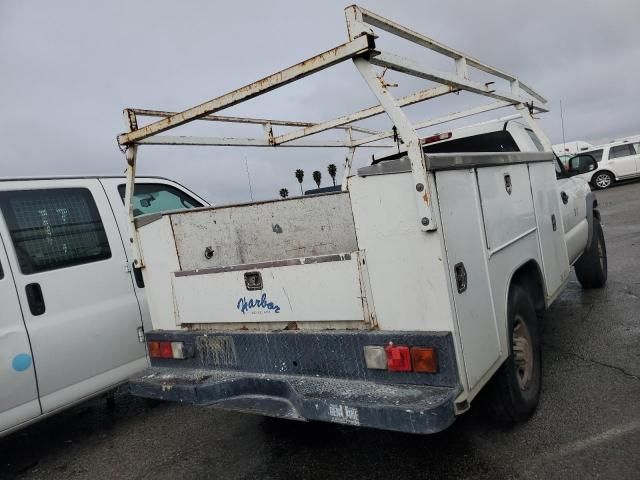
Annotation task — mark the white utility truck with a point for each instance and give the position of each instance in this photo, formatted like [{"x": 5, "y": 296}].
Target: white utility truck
[{"x": 391, "y": 303}]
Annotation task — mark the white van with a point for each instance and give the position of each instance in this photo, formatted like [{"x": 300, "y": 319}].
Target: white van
[
  {"x": 616, "y": 161},
  {"x": 72, "y": 310}
]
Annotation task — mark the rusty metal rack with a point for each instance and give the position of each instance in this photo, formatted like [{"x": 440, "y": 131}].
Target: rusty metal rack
[{"x": 366, "y": 55}]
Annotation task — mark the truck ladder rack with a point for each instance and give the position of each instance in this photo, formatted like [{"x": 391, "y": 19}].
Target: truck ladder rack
[{"x": 362, "y": 50}]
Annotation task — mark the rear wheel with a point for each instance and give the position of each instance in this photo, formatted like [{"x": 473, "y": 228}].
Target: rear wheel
[
  {"x": 514, "y": 391},
  {"x": 602, "y": 180},
  {"x": 591, "y": 267}
]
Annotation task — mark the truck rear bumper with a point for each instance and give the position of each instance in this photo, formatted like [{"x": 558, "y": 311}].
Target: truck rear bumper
[{"x": 400, "y": 407}]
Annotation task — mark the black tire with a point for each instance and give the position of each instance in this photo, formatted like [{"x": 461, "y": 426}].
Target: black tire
[
  {"x": 514, "y": 391},
  {"x": 602, "y": 180},
  {"x": 591, "y": 267}
]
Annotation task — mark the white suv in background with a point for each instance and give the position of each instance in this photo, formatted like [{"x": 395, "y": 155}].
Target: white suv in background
[{"x": 616, "y": 161}]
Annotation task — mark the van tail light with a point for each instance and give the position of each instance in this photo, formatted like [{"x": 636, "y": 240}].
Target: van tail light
[
  {"x": 436, "y": 138},
  {"x": 162, "y": 349}
]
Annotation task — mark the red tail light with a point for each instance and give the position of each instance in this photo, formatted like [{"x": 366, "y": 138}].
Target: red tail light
[
  {"x": 165, "y": 350},
  {"x": 162, "y": 349},
  {"x": 436, "y": 138},
  {"x": 398, "y": 358}
]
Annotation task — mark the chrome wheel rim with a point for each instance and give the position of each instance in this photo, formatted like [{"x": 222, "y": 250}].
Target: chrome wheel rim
[
  {"x": 522, "y": 352},
  {"x": 603, "y": 180}
]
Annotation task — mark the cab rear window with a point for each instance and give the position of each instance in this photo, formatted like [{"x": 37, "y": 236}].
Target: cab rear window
[
  {"x": 157, "y": 197},
  {"x": 501, "y": 141}
]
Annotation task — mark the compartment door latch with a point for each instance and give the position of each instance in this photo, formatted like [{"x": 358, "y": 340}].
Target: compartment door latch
[{"x": 461, "y": 276}]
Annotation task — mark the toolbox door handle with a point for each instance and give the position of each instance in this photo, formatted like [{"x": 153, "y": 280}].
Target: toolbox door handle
[{"x": 461, "y": 277}]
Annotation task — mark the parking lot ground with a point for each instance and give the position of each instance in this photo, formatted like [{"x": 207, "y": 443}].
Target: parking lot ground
[{"x": 587, "y": 424}]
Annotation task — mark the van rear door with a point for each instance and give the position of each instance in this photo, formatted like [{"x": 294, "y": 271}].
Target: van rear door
[
  {"x": 74, "y": 285},
  {"x": 18, "y": 395}
]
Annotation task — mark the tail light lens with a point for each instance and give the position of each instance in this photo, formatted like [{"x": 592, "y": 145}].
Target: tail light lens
[
  {"x": 154, "y": 349},
  {"x": 398, "y": 358},
  {"x": 401, "y": 358},
  {"x": 162, "y": 349},
  {"x": 375, "y": 357},
  {"x": 424, "y": 360}
]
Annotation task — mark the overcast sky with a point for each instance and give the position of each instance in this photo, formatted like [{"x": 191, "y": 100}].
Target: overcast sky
[{"x": 68, "y": 68}]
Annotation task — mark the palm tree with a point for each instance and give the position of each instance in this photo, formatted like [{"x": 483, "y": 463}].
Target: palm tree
[
  {"x": 332, "y": 171},
  {"x": 317, "y": 177},
  {"x": 300, "y": 177},
  {"x": 284, "y": 193}
]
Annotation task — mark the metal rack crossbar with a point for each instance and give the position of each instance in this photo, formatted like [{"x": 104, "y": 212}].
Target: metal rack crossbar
[{"x": 362, "y": 50}]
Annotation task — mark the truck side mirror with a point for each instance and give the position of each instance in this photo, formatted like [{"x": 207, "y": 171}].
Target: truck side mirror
[{"x": 582, "y": 163}]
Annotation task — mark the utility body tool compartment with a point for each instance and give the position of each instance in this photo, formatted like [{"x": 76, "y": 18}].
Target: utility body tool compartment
[
  {"x": 313, "y": 289},
  {"x": 267, "y": 264}
]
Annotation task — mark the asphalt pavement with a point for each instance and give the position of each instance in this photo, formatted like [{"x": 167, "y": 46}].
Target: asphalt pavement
[{"x": 587, "y": 424}]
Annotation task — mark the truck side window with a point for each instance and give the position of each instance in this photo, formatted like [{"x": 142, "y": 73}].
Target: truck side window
[
  {"x": 157, "y": 197},
  {"x": 54, "y": 228}
]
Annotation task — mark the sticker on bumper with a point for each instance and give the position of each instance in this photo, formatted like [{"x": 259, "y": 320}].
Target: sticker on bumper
[{"x": 344, "y": 414}]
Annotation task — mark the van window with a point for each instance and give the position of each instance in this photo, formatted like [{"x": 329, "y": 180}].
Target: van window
[
  {"x": 636, "y": 148},
  {"x": 156, "y": 197},
  {"x": 621, "y": 151},
  {"x": 596, "y": 154},
  {"x": 54, "y": 228}
]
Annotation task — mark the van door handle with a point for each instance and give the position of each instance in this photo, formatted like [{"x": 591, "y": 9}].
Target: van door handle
[{"x": 35, "y": 299}]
